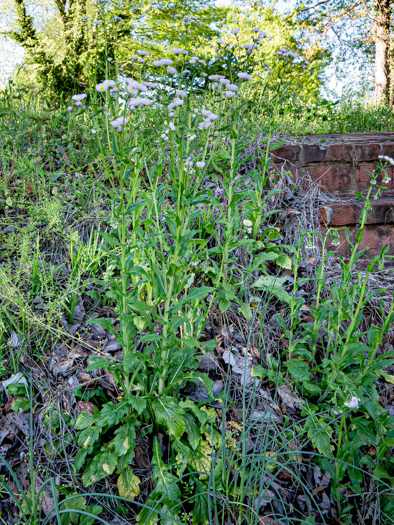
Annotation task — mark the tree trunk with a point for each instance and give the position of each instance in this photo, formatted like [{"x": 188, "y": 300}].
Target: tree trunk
[{"x": 382, "y": 47}]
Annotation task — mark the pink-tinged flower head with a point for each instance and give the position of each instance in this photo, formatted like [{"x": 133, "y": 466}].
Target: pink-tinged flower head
[
  {"x": 179, "y": 52},
  {"x": 110, "y": 83},
  {"x": 229, "y": 94},
  {"x": 69, "y": 108},
  {"x": 80, "y": 97},
  {"x": 200, "y": 164},
  {"x": 171, "y": 126},
  {"x": 245, "y": 76},
  {"x": 171, "y": 70},
  {"x": 114, "y": 90},
  {"x": 353, "y": 403},
  {"x": 119, "y": 123},
  {"x": 78, "y": 103},
  {"x": 142, "y": 53},
  {"x": 235, "y": 30}
]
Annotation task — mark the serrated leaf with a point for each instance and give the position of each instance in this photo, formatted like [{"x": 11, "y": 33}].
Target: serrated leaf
[
  {"x": 111, "y": 414},
  {"x": 201, "y": 505},
  {"x": 320, "y": 434},
  {"x": 85, "y": 420},
  {"x": 128, "y": 484},
  {"x": 124, "y": 439},
  {"x": 169, "y": 414},
  {"x": 97, "y": 363},
  {"x": 298, "y": 369},
  {"x": 101, "y": 466}
]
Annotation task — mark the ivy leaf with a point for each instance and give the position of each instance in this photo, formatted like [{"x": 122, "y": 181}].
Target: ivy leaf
[
  {"x": 170, "y": 415},
  {"x": 128, "y": 484},
  {"x": 298, "y": 369},
  {"x": 320, "y": 434}
]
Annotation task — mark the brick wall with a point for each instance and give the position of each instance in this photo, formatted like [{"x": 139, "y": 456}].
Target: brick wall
[{"x": 340, "y": 165}]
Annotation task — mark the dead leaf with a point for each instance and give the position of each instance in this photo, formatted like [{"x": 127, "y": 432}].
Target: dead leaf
[
  {"x": 15, "y": 341},
  {"x": 84, "y": 406},
  {"x": 47, "y": 501},
  {"x": 289, "y": 398}
]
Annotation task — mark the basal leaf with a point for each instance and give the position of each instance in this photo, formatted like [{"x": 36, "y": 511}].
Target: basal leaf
[
  {"x": 169, "y": 414},
  {"x": 85, "y": 420},
  {"x": 128, "y": 484},
  {"x": 298, "y": 369}
]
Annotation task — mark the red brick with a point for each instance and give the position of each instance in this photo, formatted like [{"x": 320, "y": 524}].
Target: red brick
[
  {"x": 340, "y": 152},
  {"x": 287, "y": 152},
  {"x": 362, "y": 177},
  {"x": 336, "y": 177},
  {"x": 366, "y": 152},
  {"x": 377, "y": 236},
  {"x": 342, "y": 214},
  {"x": 388, "y": 149},
  {"x": 313, "y": 153}
]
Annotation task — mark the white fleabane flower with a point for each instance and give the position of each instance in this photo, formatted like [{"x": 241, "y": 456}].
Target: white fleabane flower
[
  {"x": 164, "y": 137},
  {"x": 232, "y": 87},
  {"x": 69, "y": 108},
  {"x": 178, "y": 51},
  {"x": 119, "y": 122},
  {"x": 142, "y": 53},
  {"x": 101, "y": 87},
  {"x": 235, "y": 30},
  {"x": 157, "y": 63},
  {"x": 214, "y": 77},
  {"x": 80, "y": 97},
  {"x": 353, "y": 403},
  {"x": 171, "y": 70},
  {"x": 78, "y": 103},
  {"x": 202, "y": 62},
  {"x": 245, "y": 76},
  {"x": 224, "y": 81},
  {"x": 134, "y": 57},
  {"x": 384, "y": 157},
  {"x": 206, "y": 112},
  {"x": 175, "y": 103},
  {"x": 229, "y": 94},
  {"x": 141, "y": 60},
  {"x": 171, "y": 114},
  {"x": 167, "y": 61},
  {"x": 180, "y": 93},
  {"x": 263, "y": 35},
  {"x": 171, "y": 126},
  {"x": 205, "y": 124},
  {"x": 200, "y": 164},
  {"x": 110, "y": 83},
  {"x": 212, "y": 117},
  {"x": 247, "y": 223},
  {"x": 219, "y": 41}
]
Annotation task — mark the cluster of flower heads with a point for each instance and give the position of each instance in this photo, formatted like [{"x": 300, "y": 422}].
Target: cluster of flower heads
[
  {"x": 77, "y": 100},
  {"x": 107, "y": 84},
  {"x": 208, "y": 118}
]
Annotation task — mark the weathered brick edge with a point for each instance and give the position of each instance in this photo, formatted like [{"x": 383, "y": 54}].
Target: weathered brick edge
[{"x": 341, "y": 165}]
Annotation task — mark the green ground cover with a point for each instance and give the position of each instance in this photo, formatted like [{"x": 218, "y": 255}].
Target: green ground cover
[{"x": 181, "y": 347}]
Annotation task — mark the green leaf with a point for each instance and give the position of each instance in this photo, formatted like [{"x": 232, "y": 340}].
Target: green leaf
[
  {"x": 193, "y": 432},
  {"x": 72, "y": 505},
  {"x": 137, "y": 403},
  {"x": 273, "y": 285},
  {"x": 128, "y": 484},
  {"x": 284, "y": 261},
  {"x": 92, "y": 509},
  {"x": 169, "y": 414},
  {"x": 85, "y": 420},
  {"x": 124, "y": 438},
  {"x": 246, "y": 310},
  {"x": 320, "y": 434},
  {"x": 193, "y": 295},
  {"x": 111, "y": 415},
  {"x": 259, "y": 371},
  {"x": 97, "y": 363},
  {"x": 298, "y": 369},
  {"x": 201, "y": 505},
  {"x": 99, "y": 467}
]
